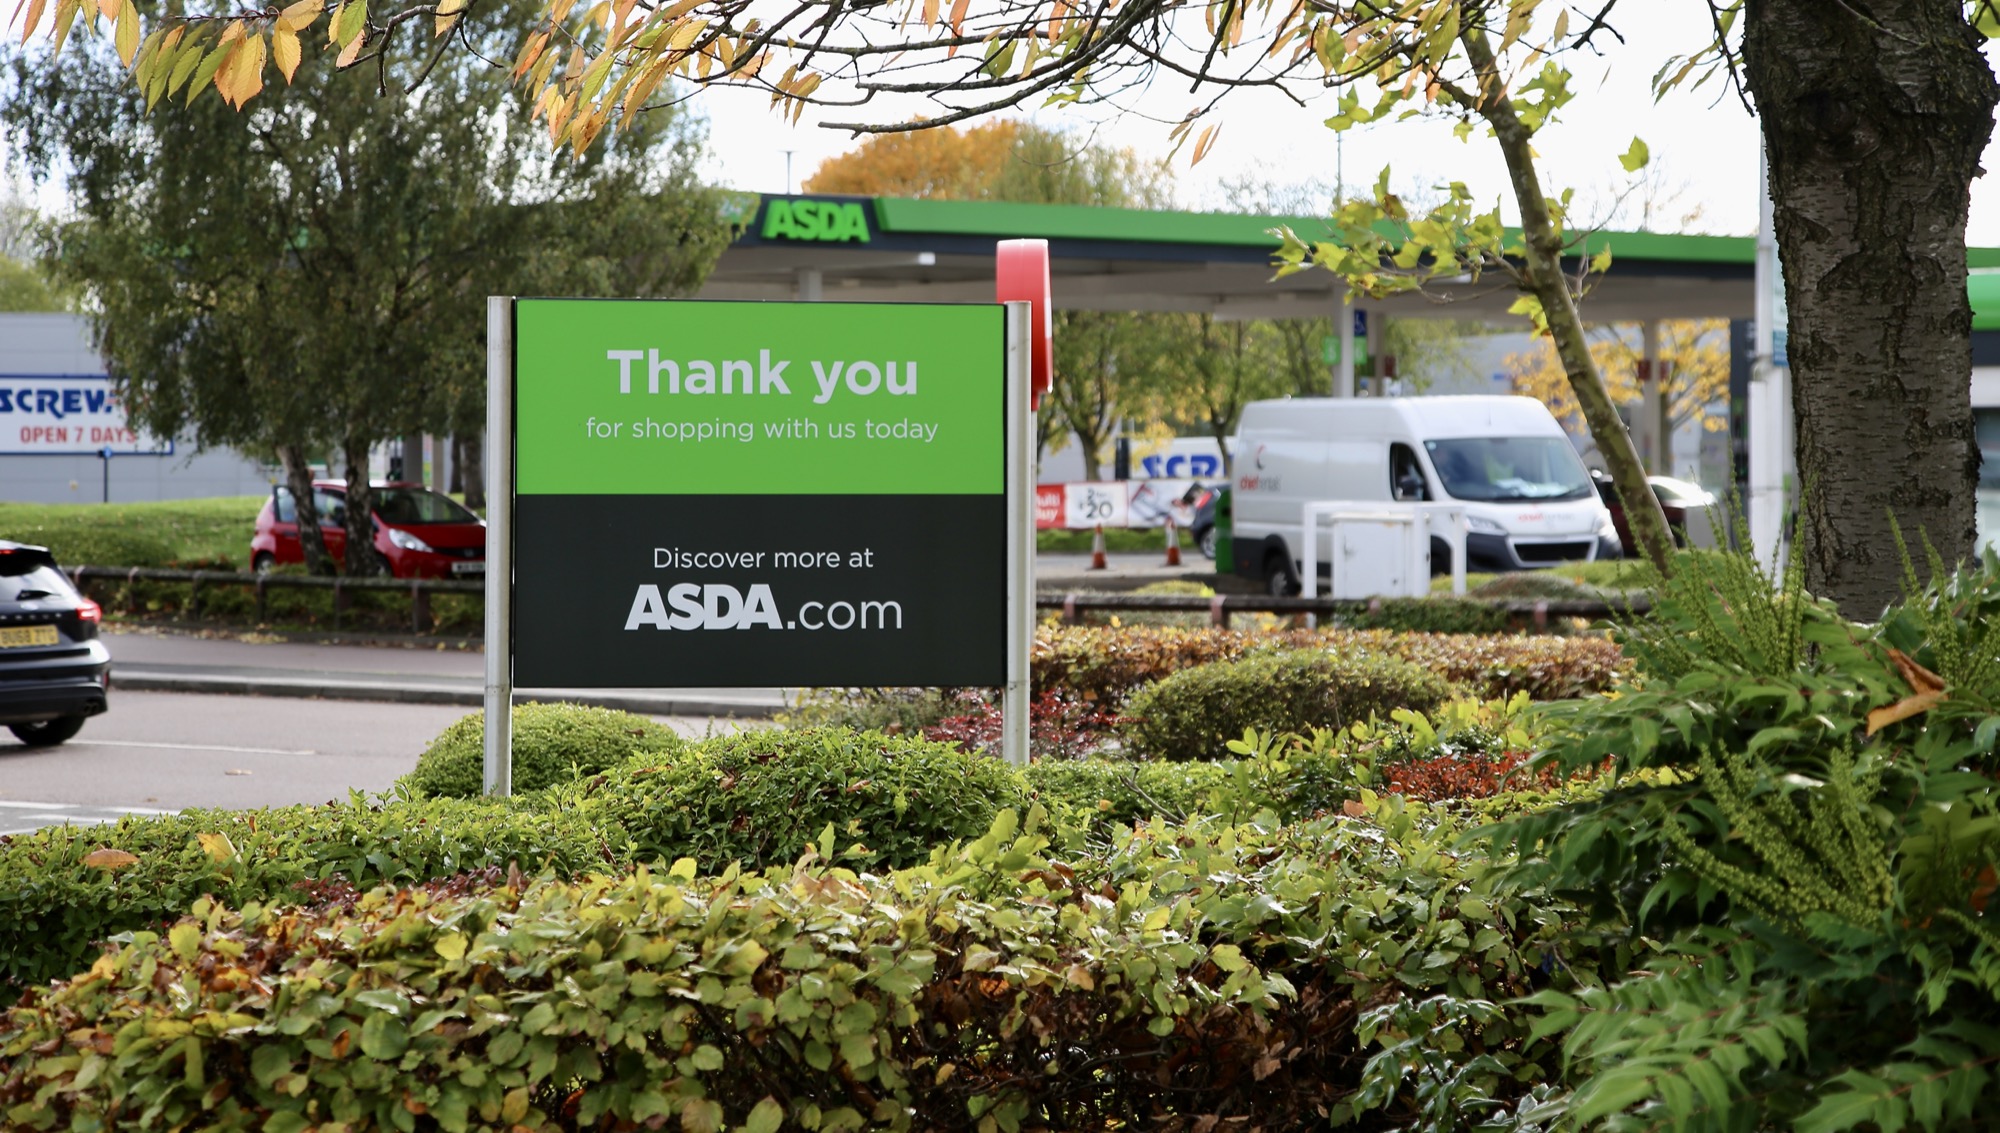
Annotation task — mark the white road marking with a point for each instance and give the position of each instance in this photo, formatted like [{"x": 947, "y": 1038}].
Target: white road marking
[{"x": 192, "y": 747}]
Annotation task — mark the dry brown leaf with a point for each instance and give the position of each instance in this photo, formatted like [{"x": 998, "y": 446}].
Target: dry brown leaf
[
  {"x": 1353, "y": 808},
  {"x": 106, "y": 858},
  {"x": 1902, "y": 710},
  {"x": 1926, "y": 687},
  {"x": 1919, "y": 678}
]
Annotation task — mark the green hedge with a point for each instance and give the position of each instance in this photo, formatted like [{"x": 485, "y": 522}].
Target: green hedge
[
  {"x": 1226, "y": 976},
  {"x": 1194, "y": 714},
  {"x": 1106, "y": 666},
  {"x": 761, "y": 797},
  {"x": 553, "y": 743},
  {"x": 57, "y": 900}
]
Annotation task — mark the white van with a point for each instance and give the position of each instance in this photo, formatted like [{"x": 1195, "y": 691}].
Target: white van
[{"x": 1528, "y": 499}]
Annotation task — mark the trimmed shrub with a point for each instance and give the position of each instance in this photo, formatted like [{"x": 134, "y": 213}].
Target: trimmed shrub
[
  {"x": 1430, "y": 615},
  {"x": 1353, "y": 972},
  {"x": 891, "y": 710},
  {"x": 1194, "y": 714},
  {"x": 64, "y": 888},
  {"x": 553, "y": 743},
  {"x": 1100, "y": 793},
  {"x": 1109, "y": 665},
  {"x": 760, "y": 798}
]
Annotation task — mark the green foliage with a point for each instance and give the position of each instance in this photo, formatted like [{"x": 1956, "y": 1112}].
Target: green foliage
[
  {"x": 1429, "y": 615},
  {"x": 1100, "y": 793},
  {"x": 893, "y": 710},
  {"x": 1194, "y": 714},
  {"x": 553, "y": 743},
  {"x": 761, "y": 797},
  {"x": 1808, "y": 823},
  {"x": 57, "y": 904},
  {"x": 1108, "y": 665},
  {"x": 1181, "y": 973},
  {"x": 1951, "y": 625}
]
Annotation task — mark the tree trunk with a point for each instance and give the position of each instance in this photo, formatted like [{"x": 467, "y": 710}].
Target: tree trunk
[
  {"x": 1546, "y": 282},
  {"x": 472, "y": 467},
  {"x": 1874, "y": 116},
  {"x": 363, "y": 560},
  {"x": 298, "y": 478}
]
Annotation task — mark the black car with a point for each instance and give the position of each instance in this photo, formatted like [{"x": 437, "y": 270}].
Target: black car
[{"x": 54, "y": 672}]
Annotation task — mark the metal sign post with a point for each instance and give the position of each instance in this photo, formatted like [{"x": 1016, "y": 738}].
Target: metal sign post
[
  {"x": 1020, "y": 535},
  {"x": 499, "y": 774}
]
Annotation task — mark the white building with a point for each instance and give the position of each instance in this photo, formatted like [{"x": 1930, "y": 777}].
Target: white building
[{"x": 64, "y": 437}]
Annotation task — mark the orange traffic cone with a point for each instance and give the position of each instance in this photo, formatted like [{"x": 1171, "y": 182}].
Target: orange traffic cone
[
  {"x": 1173, "y": 543},
  {"x": 1097, "y": 550}
]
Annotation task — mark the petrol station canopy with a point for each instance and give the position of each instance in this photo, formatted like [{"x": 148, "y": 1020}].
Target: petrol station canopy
[{"x": 882, "y": 249}]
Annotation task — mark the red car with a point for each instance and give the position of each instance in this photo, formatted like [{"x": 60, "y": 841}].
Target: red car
[{"x": 418, "y": 533}]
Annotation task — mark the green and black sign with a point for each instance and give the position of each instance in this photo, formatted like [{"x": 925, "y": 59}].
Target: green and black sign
[{"x": 796, "y": 494}]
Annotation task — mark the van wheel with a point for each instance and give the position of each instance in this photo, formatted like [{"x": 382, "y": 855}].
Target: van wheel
[{"x": 1278, "y": 580}]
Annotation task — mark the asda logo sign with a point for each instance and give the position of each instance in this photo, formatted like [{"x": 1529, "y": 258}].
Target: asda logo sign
[
  {"x": 803, "y": 218},
  {"x": 721, "y": 606}
]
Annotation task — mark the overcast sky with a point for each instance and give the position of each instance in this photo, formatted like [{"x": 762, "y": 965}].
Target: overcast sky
[{"x": 1704, "y": 145}]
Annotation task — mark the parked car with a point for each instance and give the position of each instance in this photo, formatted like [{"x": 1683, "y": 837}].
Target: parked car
[
  {"x": 418, "y": 533},
  {"x": 1203, "y": 500},
  {"x": 1680, "y": 499},
  {"x": 54, "y": 672}
]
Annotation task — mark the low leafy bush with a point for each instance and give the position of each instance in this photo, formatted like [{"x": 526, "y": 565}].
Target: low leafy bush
[
  {"x": 1224, "y": 977},
  {"x": 1060, "y": 726},
  {"x": 892, "y": 710},
  {"x": 553, "y": 743},
  {"x": 1807, "y": 823},
  {"x": 1194, "y": 714},
  {"x": 1095, "y": 794},
  {"x": 63, "y": 888},
  {"x": 1109, "y": 665},
  {"x": 762, "y": 797},
  {"x": 1438, "y": 614}
]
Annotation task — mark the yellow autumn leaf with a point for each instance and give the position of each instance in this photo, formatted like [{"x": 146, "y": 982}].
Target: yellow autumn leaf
[
  {"x": 351, "y": 52},
  {"x": 285, "y": 52},
  {"x": 108, "y": 9},
  {"x": 34, "y": 18},
  {"x": 448, "y": 12},
  {"x": 300, "y": 16},
  {"x": 1205, "y": 142},
  {"x": 217, "y": 846},
  {"x": 245, "y": 69},
  {"x": 127, "y": 35},
  {"x": 106, "y": 858}
]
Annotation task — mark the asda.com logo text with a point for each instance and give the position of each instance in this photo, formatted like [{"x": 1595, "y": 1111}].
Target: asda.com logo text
[{"x": 717, "y": 605}]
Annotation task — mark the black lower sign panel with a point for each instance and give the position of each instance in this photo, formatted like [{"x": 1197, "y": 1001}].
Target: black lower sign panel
[{"x": 793, "y": 591}]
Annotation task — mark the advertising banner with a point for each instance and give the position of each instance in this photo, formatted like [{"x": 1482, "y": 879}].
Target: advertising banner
[
  {"x": 67, "y": 415},
  {"x": 714, "y": 494},
  {"x": 1114, "y": 503}
]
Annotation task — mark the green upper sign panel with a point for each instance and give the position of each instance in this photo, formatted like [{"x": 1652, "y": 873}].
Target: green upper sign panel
[{"x": 646, "y": 397}]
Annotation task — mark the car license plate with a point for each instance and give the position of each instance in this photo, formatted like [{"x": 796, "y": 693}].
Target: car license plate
[
  {"x": 468, "y": 568},
  {"x": 14, "y": 637}
]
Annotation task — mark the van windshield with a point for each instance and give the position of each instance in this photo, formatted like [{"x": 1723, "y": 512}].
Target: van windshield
[{"x": 1509, "y": 468}]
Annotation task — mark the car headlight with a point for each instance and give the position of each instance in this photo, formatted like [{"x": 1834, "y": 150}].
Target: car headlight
[
  {"x": 407, "y": 541},
  {"x": 1483, "y": 525}
]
